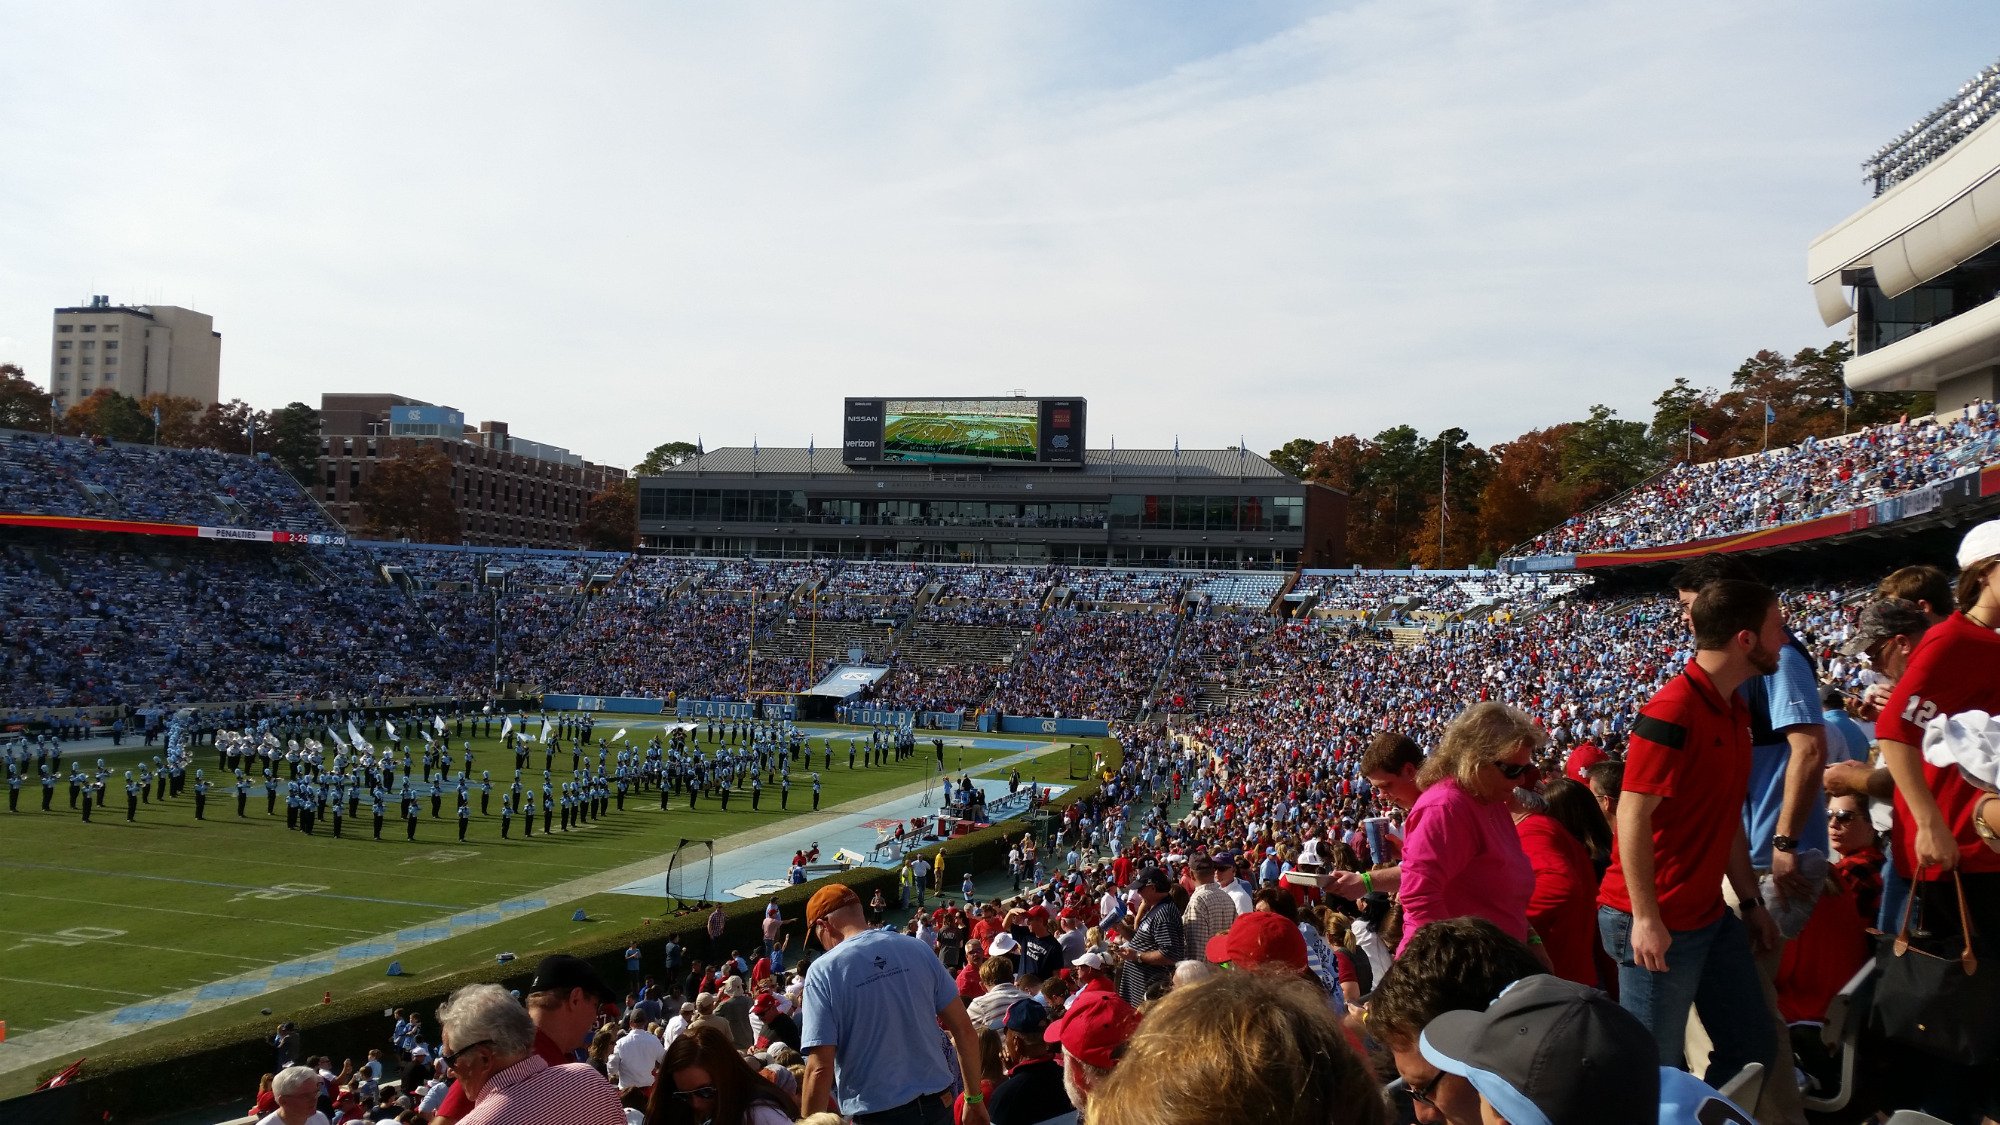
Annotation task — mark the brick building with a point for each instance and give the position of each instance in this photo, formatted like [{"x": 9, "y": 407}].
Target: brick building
[{"x": 511, "y": 492}]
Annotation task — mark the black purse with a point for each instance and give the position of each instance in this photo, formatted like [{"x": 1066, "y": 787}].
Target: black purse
[{"x": 1939, "y": 1001}]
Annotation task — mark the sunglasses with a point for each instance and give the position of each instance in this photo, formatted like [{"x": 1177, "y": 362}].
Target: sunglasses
[
  {"x": 1512, "y": 771},
  {"x": 705, "y": 1093},
  {"x": 452, "y": 1058},
  {"x": 1426, "y": 1092},
  {"x": 1842, "y": 816}
]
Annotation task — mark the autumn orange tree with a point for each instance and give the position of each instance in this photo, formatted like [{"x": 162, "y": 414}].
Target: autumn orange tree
[
  {"x": 410, "y": 496},
  {"x": 611, "y": 518}
]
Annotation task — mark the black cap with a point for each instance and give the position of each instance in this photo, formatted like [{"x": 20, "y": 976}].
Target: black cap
[
  {"x": 1551, "y": 1052},
  {"x": 560, "y": 972},
  {"x": 1155, "y": 878},
  {"x": 1028, "y": 1016}
]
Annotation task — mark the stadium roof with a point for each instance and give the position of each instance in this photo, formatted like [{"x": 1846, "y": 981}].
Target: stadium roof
[{"x": 1189, "y": 464}]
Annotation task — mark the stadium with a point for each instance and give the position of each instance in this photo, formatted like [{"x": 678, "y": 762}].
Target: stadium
[{"x": 280, "y": 793}]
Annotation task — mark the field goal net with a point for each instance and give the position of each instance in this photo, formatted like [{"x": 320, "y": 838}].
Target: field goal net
[{"x": 691, "y": 876}]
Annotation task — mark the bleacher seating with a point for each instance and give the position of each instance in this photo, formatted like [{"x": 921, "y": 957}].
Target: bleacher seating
[
  {"x": 1702, "y": 500},
  {"x": 61, "y": 476}
]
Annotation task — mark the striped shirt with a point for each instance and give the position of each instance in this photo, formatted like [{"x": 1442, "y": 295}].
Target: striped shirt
[{"x": 531, "y": 1092}]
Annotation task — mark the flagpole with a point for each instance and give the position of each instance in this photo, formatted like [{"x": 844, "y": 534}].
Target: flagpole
[{"x": 1444, "y": 481}]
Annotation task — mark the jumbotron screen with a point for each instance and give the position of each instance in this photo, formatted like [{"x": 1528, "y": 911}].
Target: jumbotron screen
[{"x": 963, "y": 431}]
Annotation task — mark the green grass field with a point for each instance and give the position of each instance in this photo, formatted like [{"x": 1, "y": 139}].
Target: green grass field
[{"x": 99, "y": 917}]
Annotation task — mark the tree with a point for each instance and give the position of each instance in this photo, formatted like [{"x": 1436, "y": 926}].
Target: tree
[
  {"x": 108, "y": 414},
  {"x": 228, "y": 426},
  {"x": 1525, "y": 494},
  {"x": 611, "y": 518},
  {"x": 180, "y": 420},
  {"x": 1295, "y": 457},
  {"x": 663, "y": 457},
  {"x": 295, "y": 440},
  {"x": 23, "y": 405},
  {"x": 410, "y": 497},
  {"x": 1603, "y": 455}
]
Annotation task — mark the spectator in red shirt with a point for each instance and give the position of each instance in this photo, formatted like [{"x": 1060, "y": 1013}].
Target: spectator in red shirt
[
  {"x": 1680, "y": 831},
  {"x": 1956, "y": 668}
]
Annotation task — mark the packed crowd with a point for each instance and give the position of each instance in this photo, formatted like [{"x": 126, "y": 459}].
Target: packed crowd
[
  {"x": 1701, "y": 500},
  {"x": 61, "y": 476},
  {"x": 1121, "y": 651}
]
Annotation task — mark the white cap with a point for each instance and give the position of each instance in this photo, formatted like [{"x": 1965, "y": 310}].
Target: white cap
[
  {"x": 1982, "y": 542},
  {"x": 1090, "y": 961},
  {"x": 1002, "y": 945}
]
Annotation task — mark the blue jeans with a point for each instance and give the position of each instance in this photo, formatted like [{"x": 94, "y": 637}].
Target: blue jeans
[{"x": 1710, "y": 970}]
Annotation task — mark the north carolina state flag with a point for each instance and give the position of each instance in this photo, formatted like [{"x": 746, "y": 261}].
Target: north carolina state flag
[{"x": 1697, "y": 433}]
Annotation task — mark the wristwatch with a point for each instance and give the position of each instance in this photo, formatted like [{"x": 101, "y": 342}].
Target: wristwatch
[
  {"x": 1979, "y": 824},
  {"x": 1784, "y": 844}
]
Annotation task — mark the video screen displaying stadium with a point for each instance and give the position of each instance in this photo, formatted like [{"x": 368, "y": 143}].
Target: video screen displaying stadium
[{"x": 961, "y": 430}]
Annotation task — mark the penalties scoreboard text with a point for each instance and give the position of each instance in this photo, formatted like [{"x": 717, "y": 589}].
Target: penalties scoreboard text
[{"x": 963, "y": 431}]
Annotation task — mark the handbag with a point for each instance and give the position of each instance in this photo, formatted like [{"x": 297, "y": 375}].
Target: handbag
[{"x": 1940, "y": 1002}]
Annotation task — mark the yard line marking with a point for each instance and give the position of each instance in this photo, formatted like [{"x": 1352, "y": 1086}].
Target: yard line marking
[
  {"x": 222, "y": 886},
  {"x": 191, "y": 913},
  {"x": 158, "y": 948},
  {"x": 62, "y": 984}
]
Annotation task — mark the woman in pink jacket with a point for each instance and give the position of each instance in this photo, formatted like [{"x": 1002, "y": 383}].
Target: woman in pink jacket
[{"x": 1461, "y": 855}]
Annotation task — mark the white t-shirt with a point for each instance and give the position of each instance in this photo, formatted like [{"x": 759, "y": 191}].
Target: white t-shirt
[
  {"x": 635, "y": 1057},
  {"x": 277, "y": 1117}
]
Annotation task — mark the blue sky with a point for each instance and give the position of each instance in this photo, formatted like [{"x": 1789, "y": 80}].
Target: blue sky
[{"x": 616, "y": 224}]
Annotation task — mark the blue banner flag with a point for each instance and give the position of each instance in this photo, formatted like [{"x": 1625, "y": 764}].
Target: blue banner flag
[{"x": 1770, "y": 415}]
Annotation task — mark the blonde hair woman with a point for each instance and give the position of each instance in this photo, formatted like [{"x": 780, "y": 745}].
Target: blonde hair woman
[
  {"x": 1461, "y": 855},
  {"x": 1271, "y": 1050}
]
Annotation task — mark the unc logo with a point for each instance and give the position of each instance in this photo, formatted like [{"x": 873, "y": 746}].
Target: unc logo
[{"x": 1048, "y": 726}]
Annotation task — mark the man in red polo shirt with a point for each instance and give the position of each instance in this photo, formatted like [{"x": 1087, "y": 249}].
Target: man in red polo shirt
[{"x": 1680, "y": 831}]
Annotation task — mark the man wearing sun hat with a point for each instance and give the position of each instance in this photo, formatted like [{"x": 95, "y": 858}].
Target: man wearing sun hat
[{"x": 872, "y": 1007}]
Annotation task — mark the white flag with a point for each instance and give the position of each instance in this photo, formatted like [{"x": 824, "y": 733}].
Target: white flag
[
  {"x": 545, "y": 730},
  {"x": 619, "y": 735},
  {"x": 354, "y": 733},
  {"x": 335, "y": 735},
  {"x": 506, "y": 727},
  {"x": 438, "y": 721},
  {"x": 427, "y": 736},
  {"x": 391, "y": 727}
]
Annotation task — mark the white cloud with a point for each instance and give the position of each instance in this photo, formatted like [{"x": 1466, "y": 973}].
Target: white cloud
[{"x": 618, "y": 224}]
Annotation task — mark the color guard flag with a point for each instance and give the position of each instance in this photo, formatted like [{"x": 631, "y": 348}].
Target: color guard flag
[
  {"x": 1770, "y": 415},
  {"x": 545, "y": 731},
  {"x": 391, "y": 727},
  {"x": 438, "y": 721},
  {"x": 507, "y": 726}
]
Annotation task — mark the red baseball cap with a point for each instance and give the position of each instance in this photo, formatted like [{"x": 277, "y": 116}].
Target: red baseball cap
[
  {"x": 1580, "y": 759},
  {"x": 1039, "y": 913},
  {"x": 1094, "y": 1027},
  {"x": 1259, "y": 938}
]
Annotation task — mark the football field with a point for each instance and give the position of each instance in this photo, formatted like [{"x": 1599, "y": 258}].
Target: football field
[{"x": 119, "y": 920}]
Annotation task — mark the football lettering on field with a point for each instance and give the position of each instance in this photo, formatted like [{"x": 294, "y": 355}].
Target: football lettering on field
[
  {"x": 442, "y": 855},
  {"x": 75, "y": 935},
  {"x": 281, "y": 891}
]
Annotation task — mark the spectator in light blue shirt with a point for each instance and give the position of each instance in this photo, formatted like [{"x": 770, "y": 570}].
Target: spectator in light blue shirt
[{"x": 1845, "y": 740}]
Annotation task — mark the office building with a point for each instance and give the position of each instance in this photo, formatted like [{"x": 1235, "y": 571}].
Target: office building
[
  {"x": 511, "y": 492},
  {"x": 136, "y": 350}
]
